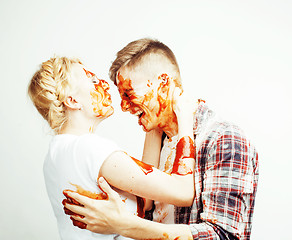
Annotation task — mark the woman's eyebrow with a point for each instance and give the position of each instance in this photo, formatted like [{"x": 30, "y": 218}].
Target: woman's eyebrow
[{"x": 88, "y": 73}]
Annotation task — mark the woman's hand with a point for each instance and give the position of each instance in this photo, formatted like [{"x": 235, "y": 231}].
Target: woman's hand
[
  {"x": 181, "y": 104},
  {"x": 99, "y": 216},
  {"x": 184, "y": 110}
]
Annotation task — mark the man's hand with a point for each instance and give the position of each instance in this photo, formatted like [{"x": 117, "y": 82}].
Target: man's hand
[{"x": 100, "y": 216}]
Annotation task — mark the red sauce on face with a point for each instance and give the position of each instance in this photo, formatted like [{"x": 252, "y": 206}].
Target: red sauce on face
[
  {"x": 88, "y": 73},
  {"x": 155, "y": 103},
  {"x": 146, "y": 168},
  {"x": 125, "y": 89},
  {"x": 101, "y": 99},
  {"x": 163, "y": 92},
  {"x": 140, "y": 207},
  {"x": 184, "y": 149}
]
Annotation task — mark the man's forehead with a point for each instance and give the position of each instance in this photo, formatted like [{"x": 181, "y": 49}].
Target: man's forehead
[{"x": 136, "y": 75}]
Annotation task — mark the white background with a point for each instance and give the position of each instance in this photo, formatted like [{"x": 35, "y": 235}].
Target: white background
[{"x": 234, "y": 54}]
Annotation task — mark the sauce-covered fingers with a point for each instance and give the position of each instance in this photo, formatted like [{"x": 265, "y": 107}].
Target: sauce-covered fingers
[
  {"x": 69, "y": 212},
  {"x": 75, "y": 209},
  {"x": 77, "y": 221},
  {"x": 75, "y": 197}
]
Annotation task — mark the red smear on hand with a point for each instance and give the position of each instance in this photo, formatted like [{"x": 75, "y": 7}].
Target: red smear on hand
[
  {"x": 70, "y": 200},
  {"x": 78, "y": 224},
  {"x": 184, "y": 149}
]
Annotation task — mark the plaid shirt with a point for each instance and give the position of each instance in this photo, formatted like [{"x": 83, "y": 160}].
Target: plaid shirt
[{"x": 226, "y": 177}]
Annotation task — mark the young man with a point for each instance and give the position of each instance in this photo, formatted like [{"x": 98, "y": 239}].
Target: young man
[{"x": 226, "y": 169}]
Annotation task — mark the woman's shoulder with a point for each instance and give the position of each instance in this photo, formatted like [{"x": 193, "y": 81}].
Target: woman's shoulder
[{"x": 89, "y": 141}]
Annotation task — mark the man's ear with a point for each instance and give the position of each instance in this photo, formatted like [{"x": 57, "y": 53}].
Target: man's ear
[{"x": 72, "y": 104}]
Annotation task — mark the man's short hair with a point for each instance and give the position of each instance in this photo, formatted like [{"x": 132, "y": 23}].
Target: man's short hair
[{"x": 136, "y": 50}]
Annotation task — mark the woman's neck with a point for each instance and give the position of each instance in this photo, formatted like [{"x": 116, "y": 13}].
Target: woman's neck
[{"x": 79, "y": 125}]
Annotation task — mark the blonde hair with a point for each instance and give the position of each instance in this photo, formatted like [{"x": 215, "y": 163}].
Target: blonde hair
[
  {"x": 49, "y": 87},
  {"x": 135, "y": 51}
]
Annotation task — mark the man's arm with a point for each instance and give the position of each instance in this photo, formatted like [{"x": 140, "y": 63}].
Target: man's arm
[
  {"x": 229, "y": 183},
  {"x": 111, "y": 217},
  {"x": 151, "y": 154}
]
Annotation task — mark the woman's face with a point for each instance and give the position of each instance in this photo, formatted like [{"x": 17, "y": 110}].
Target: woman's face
[{"x": 91, "y": 93}]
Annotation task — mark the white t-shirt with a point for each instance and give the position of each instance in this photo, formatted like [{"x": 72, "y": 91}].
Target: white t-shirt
[
  {"x": 77, "y": 160},
  {"x": 164, "y": 212}
]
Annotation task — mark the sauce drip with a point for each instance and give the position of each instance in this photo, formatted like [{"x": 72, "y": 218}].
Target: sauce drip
[
  {"x": 93, "y": 195},
  {"x": 140, "y": 207},
  {"x": 88, "y": 73},
  {"x": 201, "y": 100},
  {"x": 146, "y": 168},
  {"x": 184, "y": 149}
]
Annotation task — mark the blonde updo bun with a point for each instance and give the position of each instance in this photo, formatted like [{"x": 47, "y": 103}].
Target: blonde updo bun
[{"x": 49, "y": 87}]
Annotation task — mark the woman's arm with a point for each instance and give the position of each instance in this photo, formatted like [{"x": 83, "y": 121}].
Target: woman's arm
[{"x": 133, "y": 176}]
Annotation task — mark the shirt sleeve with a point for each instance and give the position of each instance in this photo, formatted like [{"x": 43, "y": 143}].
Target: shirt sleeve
[
  {"x": 227, "y": 188},
  {"x": 203, "y": 231}
]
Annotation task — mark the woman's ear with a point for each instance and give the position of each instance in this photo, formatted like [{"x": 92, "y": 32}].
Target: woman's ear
[{"x": 72, "y": 104}]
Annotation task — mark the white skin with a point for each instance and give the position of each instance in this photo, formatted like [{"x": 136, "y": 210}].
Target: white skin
[
  {"x": 79, "y": 108},
  {"x": 110, "y": 216}
]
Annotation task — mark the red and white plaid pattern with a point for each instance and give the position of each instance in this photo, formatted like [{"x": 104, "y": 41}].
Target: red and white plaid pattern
[{"x": 226, "y": 177}]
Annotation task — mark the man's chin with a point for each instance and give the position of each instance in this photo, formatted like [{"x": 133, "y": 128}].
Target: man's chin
[
  {"x": 146, "y": 128},
  {"x": 142, "y": 125}
]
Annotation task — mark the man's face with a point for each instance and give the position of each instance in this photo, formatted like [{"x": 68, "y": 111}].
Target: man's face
[{"x": 144, "y": 97}]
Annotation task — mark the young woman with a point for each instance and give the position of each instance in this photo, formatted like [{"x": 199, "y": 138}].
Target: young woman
[{"x": 74, "y": 101}]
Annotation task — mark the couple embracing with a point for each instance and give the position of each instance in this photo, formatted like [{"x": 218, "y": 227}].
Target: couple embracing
[{"x": 198, "y": 175}]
